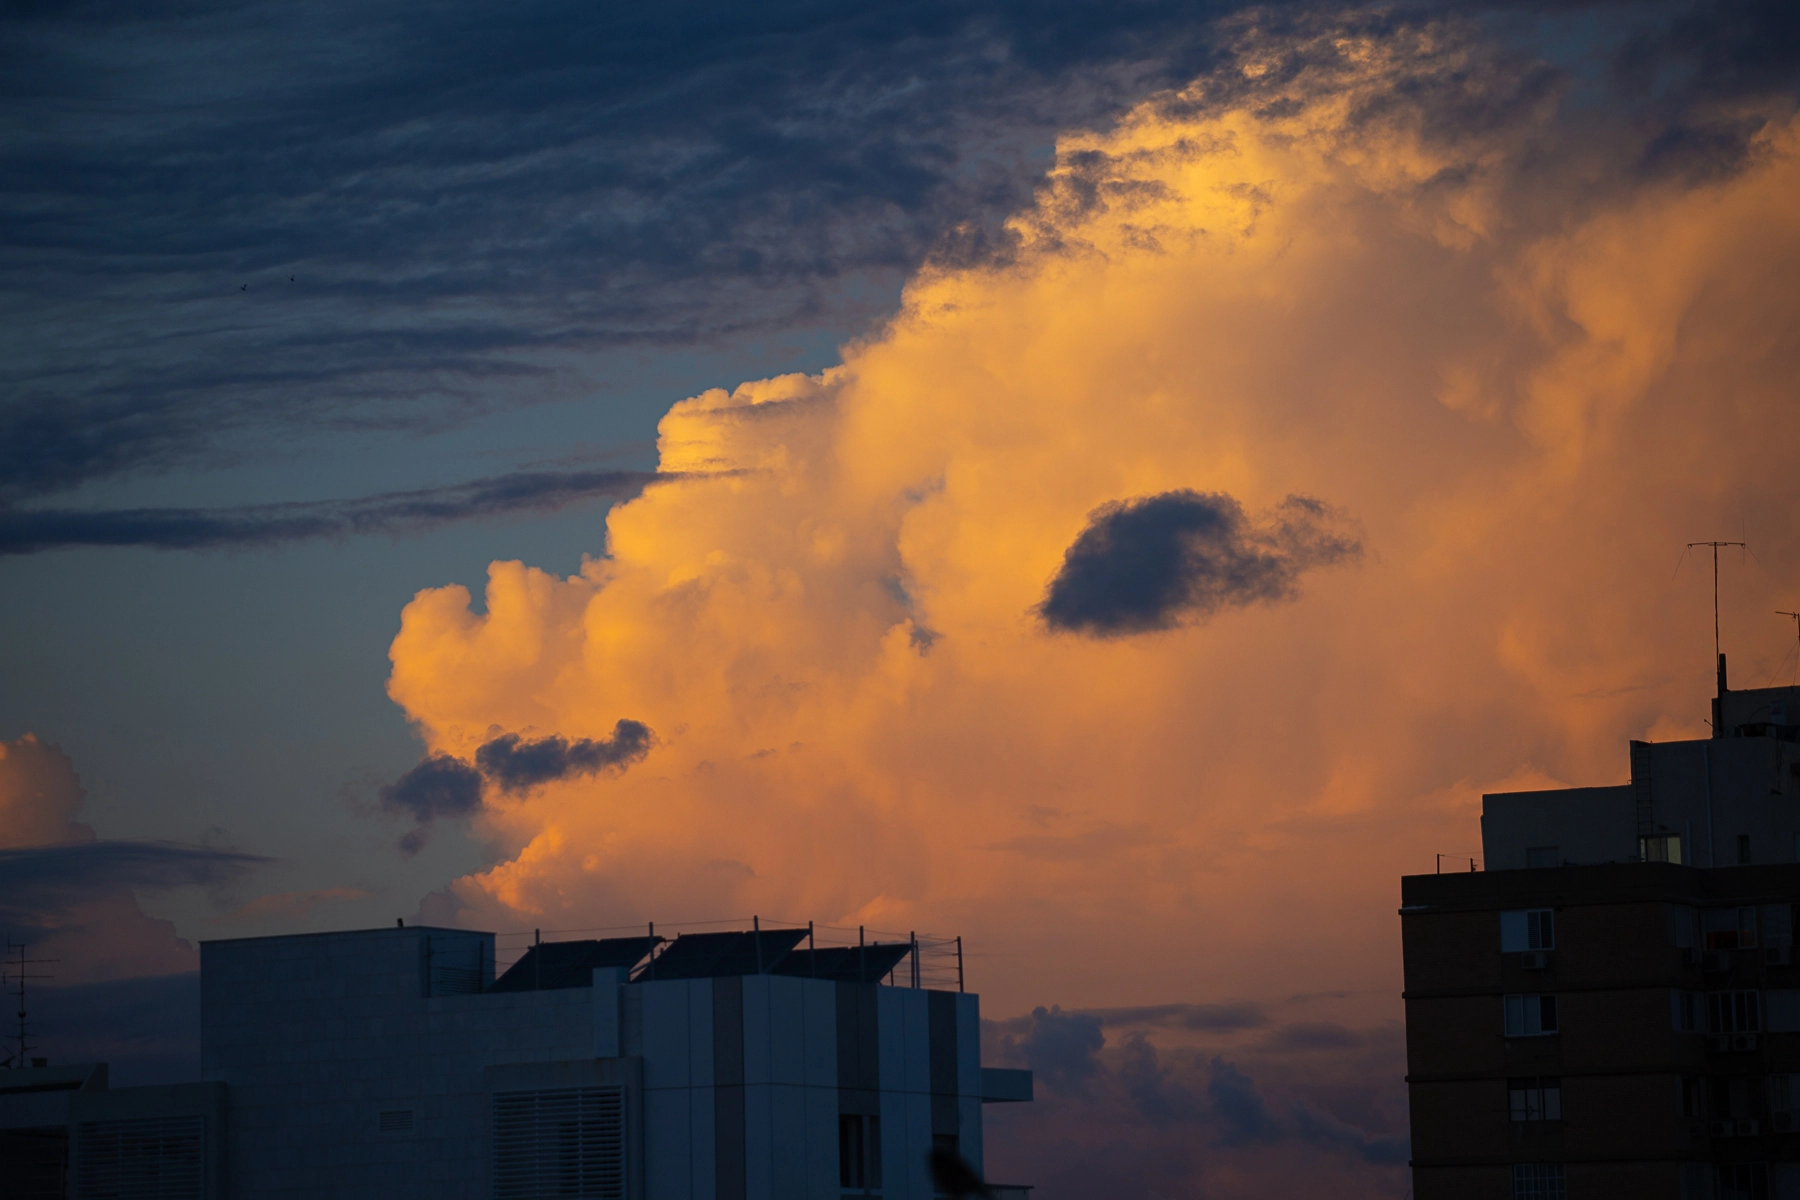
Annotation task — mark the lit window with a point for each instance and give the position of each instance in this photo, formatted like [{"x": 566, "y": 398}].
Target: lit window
[
  {"x": 1660, "y": 849},
  {"x": 1530, "y": 1015},
  {"x": 1729, "y": 928}
]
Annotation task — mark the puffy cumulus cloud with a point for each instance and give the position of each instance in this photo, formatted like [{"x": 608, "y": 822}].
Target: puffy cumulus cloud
[
  {"x": 1383, "y": 266},
  {"x": 1147, "y": 564},
  {"x": 72, "y": 897}
]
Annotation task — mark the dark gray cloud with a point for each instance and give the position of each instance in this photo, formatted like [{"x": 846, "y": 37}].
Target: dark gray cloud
[
  {"x": 230, "y": 219},
  {"x": 443, "y": 785},
  {"x": 1217, "y": 1018},
  {"x": 1160, "y": 561},
  {"x": 33, "y": 530},
  {"x": 40, "y": 880},
  {"x": 1118, "y": 1114},
  {"x": 516, "y": 765}
]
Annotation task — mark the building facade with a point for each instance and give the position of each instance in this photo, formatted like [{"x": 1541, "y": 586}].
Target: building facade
[
  {"x": 717, "y": 1066},
  {"x": 1612, "y": 1008}
]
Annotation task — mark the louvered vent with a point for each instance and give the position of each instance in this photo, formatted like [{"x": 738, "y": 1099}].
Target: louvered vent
[
  {"x": 564, "y": 1142},
  {"x": 397, "y": 1120},
  {"x": 153, "y": 1158}
]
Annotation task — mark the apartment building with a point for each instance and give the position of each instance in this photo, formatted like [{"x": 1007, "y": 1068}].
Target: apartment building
[{"x": 1612, "y": 1007}]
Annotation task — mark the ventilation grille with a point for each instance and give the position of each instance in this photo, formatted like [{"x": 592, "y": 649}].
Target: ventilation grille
[
  {"x": 154, "y": 1158},
  {"x": 564, "y": 1142},
  {"x": 399, "y": 1120}
]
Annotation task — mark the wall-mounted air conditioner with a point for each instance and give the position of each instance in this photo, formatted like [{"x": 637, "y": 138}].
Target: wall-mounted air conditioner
[{"x": 1722, "y": 1128}]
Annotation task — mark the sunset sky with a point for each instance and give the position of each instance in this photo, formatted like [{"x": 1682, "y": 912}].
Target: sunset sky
[{"x": 1116, "y": 483}]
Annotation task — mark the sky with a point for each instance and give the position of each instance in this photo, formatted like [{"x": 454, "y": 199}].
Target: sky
[{"x": 1116, "y": 483}]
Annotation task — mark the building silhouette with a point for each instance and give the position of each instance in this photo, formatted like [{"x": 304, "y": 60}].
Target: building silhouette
[
  {"x": 1612, "y": 1007},
  {"x": 735, "y": 1065}
]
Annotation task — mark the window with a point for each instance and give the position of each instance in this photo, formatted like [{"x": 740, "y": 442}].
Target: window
[
  {"x": 1729, "y": 928},
  {"x": 1777, "y": 924},
  {"x": 1681, "y": 926},
  {"x": 1543, "y": 856},
  {"x": 560, "y": 1142},
  {"x": 1733, "y": 1012},
  {"x": 1743, "y": 1181},
  {"x": 148, "y": 1156},
  {"x": 859, "y": 1152},
  {"x": 1693, "y": 1097},
  {"x": 1530, "y": 1015},
  {"x": 1743, "y": 849},
  {"x": 1535, "y": 1099},
  {"x": 1540, "y": 1181},
  {"x": 1783, "y": 1015},
  {"x": 1527, "y": 929},
  {"x": 1666, "y": 848},
  {"x": 1687, "y": 1011}
]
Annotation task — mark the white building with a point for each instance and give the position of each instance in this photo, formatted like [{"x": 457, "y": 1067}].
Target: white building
[{"x": 717, "y": 1066}]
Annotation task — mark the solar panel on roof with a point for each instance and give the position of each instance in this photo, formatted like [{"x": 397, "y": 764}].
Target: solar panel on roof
[
  {"x": 550, "y": 965},
  {"x": 717, "y": 955},
  {"x": 846, "y": 964}
]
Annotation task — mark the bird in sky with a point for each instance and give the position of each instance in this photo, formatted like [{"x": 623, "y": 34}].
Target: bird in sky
[{"x": 244, "y": 288}]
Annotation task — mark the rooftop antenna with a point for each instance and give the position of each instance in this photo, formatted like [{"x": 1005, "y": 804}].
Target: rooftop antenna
[
  {"x": 1715, "y": 549},
  {"x": 1796, "y": 616},
  {"x": 22, "y": 1058}
]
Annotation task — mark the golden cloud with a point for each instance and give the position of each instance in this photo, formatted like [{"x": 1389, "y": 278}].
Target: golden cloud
[{"x": 1527, "y": 385}]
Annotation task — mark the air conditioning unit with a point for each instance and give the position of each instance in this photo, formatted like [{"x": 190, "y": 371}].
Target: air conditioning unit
[
  {"x": 1535, "y": 960},
  {"x": 1782, "y": 1121},
  {"x": 1747, "y": 1129},
  {"x": 1778, "y": 956},
  {"x": 1722, "y": 1128},
  {"x": 1715, "y": 960}
]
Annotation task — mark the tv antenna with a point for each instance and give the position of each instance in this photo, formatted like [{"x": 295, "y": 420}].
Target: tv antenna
[
  {"x": 1796, "y": 616},
  {"x": 21, "y": 1059},
  {"x": 1715, "y": 549}
]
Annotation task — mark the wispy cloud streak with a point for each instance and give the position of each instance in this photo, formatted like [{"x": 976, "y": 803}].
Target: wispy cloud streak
[{"x": 31, "y": 531}]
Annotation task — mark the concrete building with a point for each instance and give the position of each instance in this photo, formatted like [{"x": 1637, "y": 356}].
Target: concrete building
[
  {"x": 1612, "y": 1008},
  {"x": 742, "y": 1065}
]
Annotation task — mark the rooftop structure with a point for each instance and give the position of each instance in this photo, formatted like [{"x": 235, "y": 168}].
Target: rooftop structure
[
  {"x": 1612, "y": 1007},
  {"x": 726, "y": 1065}
]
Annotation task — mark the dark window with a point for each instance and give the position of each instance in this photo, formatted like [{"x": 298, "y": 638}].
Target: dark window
[
  {"x": 1529, "y": 1015},
  {"x": 1539, "y": 1181},
  {"x": 1693, "y": 1097},
  {"x": 859, "y": 1151},
  {"x": 1743, "y": 1181},
  {"x": 1743, "y": 849},
  {"x": 1538, "y": 1098},
  {"x": 1733, "y": 1012}
]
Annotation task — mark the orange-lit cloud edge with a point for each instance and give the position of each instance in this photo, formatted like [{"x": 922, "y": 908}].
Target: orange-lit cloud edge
[{"x": 1528, "y": 385}]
